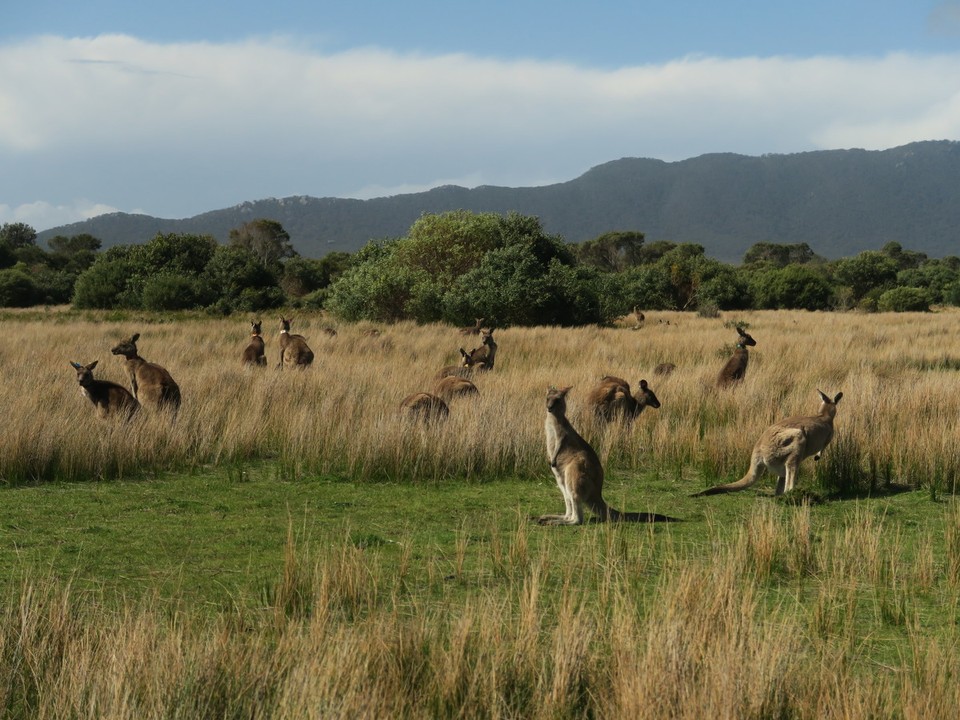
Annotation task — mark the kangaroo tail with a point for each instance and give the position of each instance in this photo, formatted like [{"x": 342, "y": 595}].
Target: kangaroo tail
[{"x": 753, "y": 474}]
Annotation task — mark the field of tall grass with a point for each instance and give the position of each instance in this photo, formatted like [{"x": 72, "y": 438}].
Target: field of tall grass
[
  {"x": 898, "y": 422},
  {"x": 749, "y": 609}
]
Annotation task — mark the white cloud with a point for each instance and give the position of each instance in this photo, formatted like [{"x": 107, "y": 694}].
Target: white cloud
[
  {"x": 42, "y": 215},
  {"x": 183, "y": 128}
]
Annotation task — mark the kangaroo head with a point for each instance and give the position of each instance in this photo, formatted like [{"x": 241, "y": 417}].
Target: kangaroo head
[
  {"x": 745, "y": 339},
  {"x": 647, "y": 397},
  {"x": 128, "y": 347},
  {"x": 827, "y": 406},
  {"x": 284, "y": 324},
  {"x": 557, "y": 400},
  {"x": 84, "y": 372},
  {"x": 255, "y": 327},
  {"x": 465, "y": 359},
  {"x": 486, "y": 336}
]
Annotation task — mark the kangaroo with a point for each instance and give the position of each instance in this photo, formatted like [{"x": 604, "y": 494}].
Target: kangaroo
[
  {"x": 464, "y": 369},
  {"x": 107, "y": 397},
  {"x": 293, "y": 348},
  {"x": 473, "y": 329},
  {"x": 452, "y": 386},
  {"x": 736, "y": 367},
  {"x": 664, "y": 368},
  {"x": 578, "y": 471},
  {"x": 639, "y": 318},
  {"x": 423, "y": 406},
  {"x": 151, "y": 384},
  {"x": 784, "y": 445},
  {"x": 253, "y": 353},
  {"x": 482, "y": 358},
  {"x": 612, "y": 399}
]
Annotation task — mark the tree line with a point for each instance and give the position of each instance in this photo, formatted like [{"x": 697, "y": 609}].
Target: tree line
[{"x": 455, "y": 266}]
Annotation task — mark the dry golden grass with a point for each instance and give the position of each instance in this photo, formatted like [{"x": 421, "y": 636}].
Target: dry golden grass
[{"x": 898, "y": 421}]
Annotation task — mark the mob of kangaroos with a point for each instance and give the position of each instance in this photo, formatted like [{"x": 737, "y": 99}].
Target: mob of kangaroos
[
  {"x": 578, "y": 471},
  {"x": 784, "y": 445}
]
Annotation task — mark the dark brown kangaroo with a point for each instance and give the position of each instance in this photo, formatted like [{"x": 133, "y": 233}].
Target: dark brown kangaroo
[
  {"x": 109, "y": 398},
  {"x": 424, "y": 407},
  {"x": 736, "y": 368},
  {"x": 253, "y": 354},
  {"x": 611, "y": 399},
  {"x": 482, "y": 358}
]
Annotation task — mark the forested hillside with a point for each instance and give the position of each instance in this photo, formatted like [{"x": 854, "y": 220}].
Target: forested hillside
[{"x": 839, "y": 202}]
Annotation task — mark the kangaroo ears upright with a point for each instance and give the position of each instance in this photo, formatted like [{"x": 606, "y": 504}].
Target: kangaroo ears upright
[
  {"x": 76, "y": 365},
  {"x": 740, "y": 331},
  {"x": 643, "y": 384},
  {"x": 134, "y": 337},
  {"x": 826, "y": 398},
  {"x": 838, "y": 398},
  {"x": 92, "y": 365}
]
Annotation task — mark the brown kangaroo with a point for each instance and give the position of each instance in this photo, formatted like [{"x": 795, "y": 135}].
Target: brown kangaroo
[
  {"x": 736, "y": 368},
  {"x": 664, "y": 368},
  {"x": 578, "y": 471},
  {"x": 107, "y": 397},
  {"x": 784, "y": 445},
  {"x": 294, "y": 350},
  {"x": 472, "y": 329},
  {"x": 452, "y": 386},
  {"x": 423, "y": 406},
  {"x": 253, "y": 354},
  {"x": 639, "y": 318},
  {"x": 612, "y": 399},
  {"x": 151, "y": 384},
  {"x": 464, "y": 369},
  {"x": 482, "y": 358}
]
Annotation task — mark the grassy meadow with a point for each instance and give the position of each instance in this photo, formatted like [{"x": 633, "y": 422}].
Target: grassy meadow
[{"x": 289, "y": 548}]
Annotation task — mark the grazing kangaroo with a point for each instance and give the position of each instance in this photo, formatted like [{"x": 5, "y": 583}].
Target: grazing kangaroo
[
  {"x": 664, "y": 368},
  {"x": 612, "y": 399},
  {"x": 736, "y": 367},
  {"x": 423, "y": 406},
  {"x": 784, "y": 445},
  {"x": 293, "y": 348},
  {"x": 464, "y": 369},
  {"x": 107, "y": 397},
  {"x": 253, "y": 354},
  {"x": 452, "y": 386},
  {"x": 151, "y": 384},
  {"x": 482, "y": 358},
  {"x": 473, "y": 329},
  {"x": 578, "y": 471}
]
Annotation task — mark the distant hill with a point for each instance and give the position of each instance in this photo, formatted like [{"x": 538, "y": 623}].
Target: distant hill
[{"x": 840, "y": 202}]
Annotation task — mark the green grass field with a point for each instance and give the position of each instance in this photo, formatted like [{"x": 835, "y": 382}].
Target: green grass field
[{"x": 287, "y": 548}]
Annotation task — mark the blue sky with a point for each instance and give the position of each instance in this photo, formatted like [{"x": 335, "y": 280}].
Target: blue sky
[{"x": 177, "y": 108}]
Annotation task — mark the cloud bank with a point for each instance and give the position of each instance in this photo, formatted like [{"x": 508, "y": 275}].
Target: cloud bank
[{"x": 114, "y": 122}]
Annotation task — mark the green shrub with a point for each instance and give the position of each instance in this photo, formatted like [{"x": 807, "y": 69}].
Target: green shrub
[{"x": 904, "y": 299}]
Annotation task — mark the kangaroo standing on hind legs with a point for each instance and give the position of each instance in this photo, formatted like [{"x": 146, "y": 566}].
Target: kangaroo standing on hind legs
[
  {"x": 784, "y": 445},
  {"x": 151, "y": 384},
  {"x": 293, "y": 348},
  {"x": 578, "y": 470},
  {"x": 253, "y": 353},
  {"x": 736, "y": 368}
]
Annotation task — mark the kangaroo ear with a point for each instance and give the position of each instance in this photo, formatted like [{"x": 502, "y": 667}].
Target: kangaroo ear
[
  {"x": 838, "y": 398},
  {"x": 134, "y": 337},
  {"x": 76, "y": 365},
  {"x": 643, "y": 384},
  {"x": 740, "y": 331},
  {"x": 92, "y": 365}
]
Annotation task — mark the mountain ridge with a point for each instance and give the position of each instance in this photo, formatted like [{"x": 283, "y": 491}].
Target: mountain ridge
[{"x": 839, "y": 202}]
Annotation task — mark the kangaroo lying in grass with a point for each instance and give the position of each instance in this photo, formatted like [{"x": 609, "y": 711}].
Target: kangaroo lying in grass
[
  {"x": 784, "y": 445},
  {"x": 578, "y": 471}
]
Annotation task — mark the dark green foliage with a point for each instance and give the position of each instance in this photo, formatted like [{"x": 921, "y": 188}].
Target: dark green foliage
[
  {"x": 612, "y": 251},
  {"x": 17, "y": 235},
  {"x": 867, "y": 271},
  {"x": 904, "y": 299},
  {"x": 266, "y": 239},
  {"x": 168, "y": 291},
  {"x": 17, "y": 288},
  {"x": 793, "y": 286},
  {"x": 766, "y": 253}
]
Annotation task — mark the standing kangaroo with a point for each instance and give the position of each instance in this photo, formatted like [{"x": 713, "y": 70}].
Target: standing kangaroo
[
  {"x": 784, "y": 445},
  {"x": 293, "y": 348},
  {"x": 253, "y": 354},
  {"x": 612, "y": 399},
  {"x": 107, "y": 397},
  {"x": 482, "y": 358},
  {"x": 578, "y": 471},
  {"x": 736, "y": 367},
  {"x": 151, "y": 384}
]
